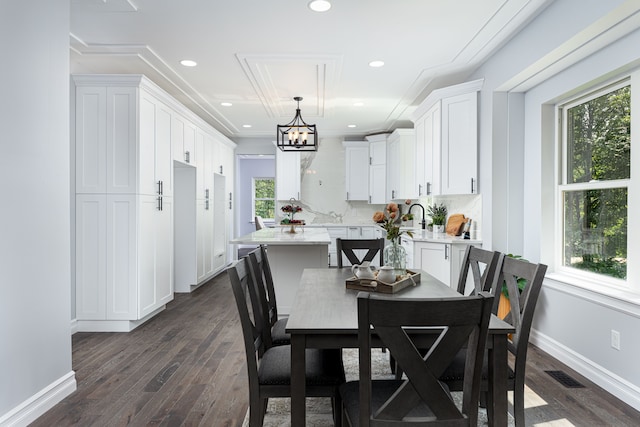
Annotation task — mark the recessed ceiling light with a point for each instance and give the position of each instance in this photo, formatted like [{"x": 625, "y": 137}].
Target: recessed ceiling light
[
  {"x": 351, "y": 126},
  {"x": 376, "y": 64},
  {"x": 226, "y": 104},
  {"x": 188, "y": 63},
  {"x": 358, "y": 104},
  {"x": 319, "y": 5},
  {"x": 246, "y": 126}
]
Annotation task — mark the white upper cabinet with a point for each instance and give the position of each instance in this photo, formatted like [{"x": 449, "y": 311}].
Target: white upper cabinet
[
  {"x": 459, "y": 153},
  {"x": 287, "y": 175},
  {"x": 356, "y": 170},
  {"x": 377, "y": 168},
  {"x": 183, "y": 139},
  {"x": 401, "y": 177},
  {"x": 106, "y": 124},
  {"x": 156, "y": 162},
  {"x": 446, "y": 126},
  {"x": 123, "y": 137}
]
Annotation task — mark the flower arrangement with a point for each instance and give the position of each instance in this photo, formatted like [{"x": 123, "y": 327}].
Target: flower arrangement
[
  {"x": 388, "y": 220},
  {"x": 290, "y": 210},
  {"x": 438, "y": 213}
]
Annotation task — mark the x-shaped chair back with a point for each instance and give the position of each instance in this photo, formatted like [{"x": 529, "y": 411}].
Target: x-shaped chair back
[
  {"x": 484, "y": 266},
  {"x": 347, "y": 247},
  {"x": 453, "y": 323}
]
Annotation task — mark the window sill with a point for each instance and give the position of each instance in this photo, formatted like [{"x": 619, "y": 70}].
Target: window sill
[{"x": 608, "y": 295}]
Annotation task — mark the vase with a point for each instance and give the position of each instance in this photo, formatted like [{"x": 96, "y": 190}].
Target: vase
[
  {"x": 395, "y": 256},
  {"x": 439, "y": 228}
]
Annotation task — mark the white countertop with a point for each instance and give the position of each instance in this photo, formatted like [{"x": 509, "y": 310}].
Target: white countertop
[{"x": 281, "y": 236}]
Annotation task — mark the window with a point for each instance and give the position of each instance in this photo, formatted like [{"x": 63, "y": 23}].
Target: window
[
  {"x": 264, "y": 198},
  {"x": 594, "y": 186}
]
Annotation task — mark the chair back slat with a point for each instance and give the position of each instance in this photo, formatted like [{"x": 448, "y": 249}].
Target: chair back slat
[{"x": 349, "y": 246}]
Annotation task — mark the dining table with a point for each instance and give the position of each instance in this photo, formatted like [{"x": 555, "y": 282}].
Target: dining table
[{"x": 324, "y": 315}]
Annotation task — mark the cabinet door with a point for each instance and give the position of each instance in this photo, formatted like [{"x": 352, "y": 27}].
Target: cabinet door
[
  {"x": 378, "y": 172},
  {"x": 460, "y": 144},
  {"x": 156, "y": 164},
  {"x": 177, "y": 138},
  {"x": 121, "y": 295},
  {"x": 147, "y": 255},
  {"x": 219, "y": 221},
  {"x": 356, "y": 172},
  {"x": 435, "y": 259},
  {"x": 287, "y": 175},
  {"x": 91, "y": 139},
  {"x": 189, "y": 143},
  {"x": 91, "y": 238},
  {"x": 155, "y": 255},
  {"x": 164, "y": 252}
]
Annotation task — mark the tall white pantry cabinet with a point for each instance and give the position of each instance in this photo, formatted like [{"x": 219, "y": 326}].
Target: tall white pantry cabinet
[{"x": 124, "y": 203}]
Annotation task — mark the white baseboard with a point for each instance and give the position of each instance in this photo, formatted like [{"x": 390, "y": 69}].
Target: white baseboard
[
  {"x": 29, "y": 410},
  {"x": 612, "y": 383}
]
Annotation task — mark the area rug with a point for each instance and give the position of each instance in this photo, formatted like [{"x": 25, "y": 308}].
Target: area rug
[{"x": 319, "y": 409}]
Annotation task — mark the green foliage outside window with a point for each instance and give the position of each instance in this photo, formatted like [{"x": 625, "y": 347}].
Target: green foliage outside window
[
  {"x": 595, "y": 215},
  {"x": 264, "y": 197}
]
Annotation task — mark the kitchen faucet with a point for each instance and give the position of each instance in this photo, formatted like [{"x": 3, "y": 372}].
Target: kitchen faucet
[{"x": 423, "y": 222}]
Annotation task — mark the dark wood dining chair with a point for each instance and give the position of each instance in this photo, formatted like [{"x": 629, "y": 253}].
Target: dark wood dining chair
[
  {"x": 523, "y": 305},
  {"x": 269, "y": 367},
  {"x": 484, "y": 266},
  {"x": 421, "y": 399},
  {"x": 267, "y": 297},
  {"x": 349, "y": 246}
]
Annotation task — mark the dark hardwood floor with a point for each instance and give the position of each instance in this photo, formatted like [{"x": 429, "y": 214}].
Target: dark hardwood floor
[{"x": 186, "y": 367}]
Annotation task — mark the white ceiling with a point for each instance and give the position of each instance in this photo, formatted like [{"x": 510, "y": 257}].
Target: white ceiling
[{"x": 258, "y": 55}]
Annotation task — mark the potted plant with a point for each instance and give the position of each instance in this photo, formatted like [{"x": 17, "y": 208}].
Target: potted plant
[{"x": 438, "y": 214}]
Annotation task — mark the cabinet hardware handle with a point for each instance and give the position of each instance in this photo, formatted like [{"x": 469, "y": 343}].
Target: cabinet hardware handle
[
  {"x": 419, "y": 189},
  {"x": 446, "y": 251},
  {"x": 347, "y": 195},
  {"x": 393, "y": 194},
  {"x": 206, "y": 194},
  {"x": 160, "y": 188},
  {"x": 230, "y": 201},
  {"x": 370, "y": 160},
  {"x": 369, "y": 199},
  {"x": 472, "y": 185},
  {"x": 159, "y": 200},
  {"x": 206, "y": 205},
  {"x": 221, "y": 170},
  {"x": 428, "y": 188},
  {"x": 187, "y": 157}
]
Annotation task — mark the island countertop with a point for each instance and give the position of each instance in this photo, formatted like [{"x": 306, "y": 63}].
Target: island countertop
[{"x": 281, "y": 236}]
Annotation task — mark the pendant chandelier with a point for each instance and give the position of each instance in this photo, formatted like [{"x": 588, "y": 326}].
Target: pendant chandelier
[{"x": 297, "y": 135}]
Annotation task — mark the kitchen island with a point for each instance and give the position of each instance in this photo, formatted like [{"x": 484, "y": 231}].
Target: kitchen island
[{"x": 289, "y": 254}]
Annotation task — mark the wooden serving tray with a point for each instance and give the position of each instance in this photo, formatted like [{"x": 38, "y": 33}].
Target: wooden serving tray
[{"x": 385, "y": 288}]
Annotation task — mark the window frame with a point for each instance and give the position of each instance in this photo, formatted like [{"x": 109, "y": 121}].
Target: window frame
[
  {"x": 562, "y": 186},
  {"x": 253, "y": 196}
]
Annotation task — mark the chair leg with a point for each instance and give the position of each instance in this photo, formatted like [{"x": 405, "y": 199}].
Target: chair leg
[
  {"x": 256, "y": 413},
  {"x": 336, "y": 407},
  {"x": 518, "y": 404}
]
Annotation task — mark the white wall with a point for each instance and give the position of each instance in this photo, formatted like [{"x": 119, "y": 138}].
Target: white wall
[
  {"x": 517, "y": 129},
  {"x": 35, "y": 333}
]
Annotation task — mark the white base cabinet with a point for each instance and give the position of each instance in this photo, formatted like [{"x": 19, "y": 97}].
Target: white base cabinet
[
  {"x": 124, "y": 259},
  {"x": 441, "y": 260}
]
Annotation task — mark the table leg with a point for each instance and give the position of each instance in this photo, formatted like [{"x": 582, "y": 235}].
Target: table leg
[
  {"x": 497, "y": 404},
  {"x": 298, "y": 380}
]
